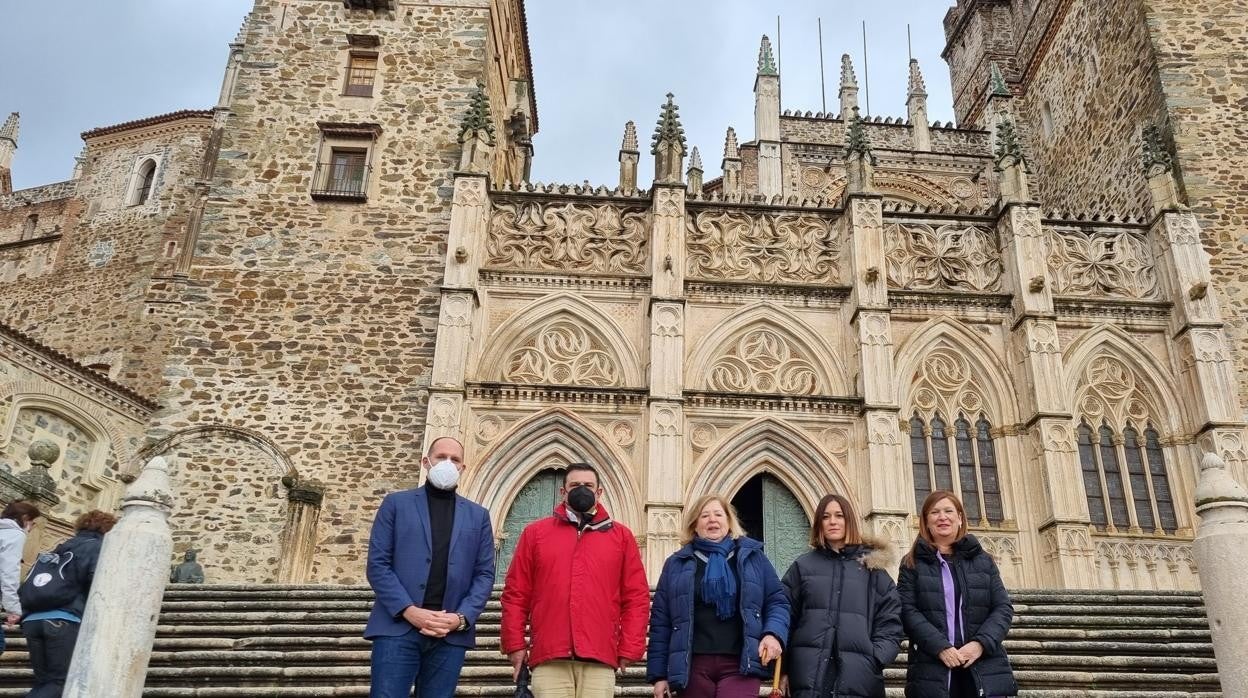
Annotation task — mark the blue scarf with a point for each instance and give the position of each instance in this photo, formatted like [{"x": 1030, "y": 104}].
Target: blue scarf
[{"x": 719, "y": 584}]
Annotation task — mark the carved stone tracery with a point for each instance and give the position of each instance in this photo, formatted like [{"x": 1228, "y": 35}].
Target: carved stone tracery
[
  {"x": 606, "y": 238},
  {"x": 1096, "y": 264},
  {"x": 944, "y": 385},
  {"x": 763, "y": 361},
  {"x": 562, "y": 352},
  {"x": 769, "y": 247},
  {"x": 955, "y": 257},
  {"x": 1109, "y": 390}
]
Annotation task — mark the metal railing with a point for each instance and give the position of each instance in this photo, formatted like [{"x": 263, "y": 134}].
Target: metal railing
[{"x": 341, "y": 180}]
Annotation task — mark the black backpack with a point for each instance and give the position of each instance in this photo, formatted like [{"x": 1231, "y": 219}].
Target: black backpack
[{"x": 52, "y": 583}]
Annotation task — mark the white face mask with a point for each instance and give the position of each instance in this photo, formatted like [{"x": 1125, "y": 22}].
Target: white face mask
[{"x": 444, "y": 474}]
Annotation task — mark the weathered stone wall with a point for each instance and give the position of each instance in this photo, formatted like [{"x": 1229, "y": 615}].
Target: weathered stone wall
[
  {"x": 895, "y": 136},
  {"x": 313, "y": 322},
  {"x": 87, "y": 297}
]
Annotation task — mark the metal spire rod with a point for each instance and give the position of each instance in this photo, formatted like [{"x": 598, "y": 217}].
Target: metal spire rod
[
  {"x": 866, "y": 73},
  {"x": 823, "y": 90}
]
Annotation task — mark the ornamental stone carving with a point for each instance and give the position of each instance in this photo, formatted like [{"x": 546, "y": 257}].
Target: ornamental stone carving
[
  {"x": 1106, "y": 265},
  {"x": 943, "y": 385},
  {"x": 763, "y": 361},
  {"x": 1108, "y": 390},
  {"x": 562, "y": 353},
  {"x": 605, "y": 238},
  {"x": 769, "y": 248},
  {"x": 955, "y": 257}
]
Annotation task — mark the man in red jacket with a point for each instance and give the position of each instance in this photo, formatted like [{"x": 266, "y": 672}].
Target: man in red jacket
[{"x": 577, "y": 583}]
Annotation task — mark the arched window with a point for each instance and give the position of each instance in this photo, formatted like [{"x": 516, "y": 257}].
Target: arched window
[
  {"x": 1139, "y": 501},
  {"x": 143, "y": 180},
  {"x": 963, "y": 460},
  {"x": 28, "y": 228}
]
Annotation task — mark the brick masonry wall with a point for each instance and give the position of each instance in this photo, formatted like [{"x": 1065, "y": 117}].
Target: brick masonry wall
[{"x": 312, "y": 323}]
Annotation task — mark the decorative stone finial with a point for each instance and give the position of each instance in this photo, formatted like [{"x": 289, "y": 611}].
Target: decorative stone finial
[
  {"x": 43, "y": 453},
  {"x": 996, "y": 82},
  {"x": 477, "y": 120},
  {"x": 630, "y": 138},
  {"x": 1009, "y": 148},
  {"x": 1156, "y": 154},
  {"x": 695, "y": 173},
  {"x": 847, "y": 72},
  {"x": 1216, "y": 486},
  {"x": 731, "y": 150},
  {"x": 695, "y": 159},
  {"x": 766, "y": 62},
  {"x": 917, "y": 86},
  {"x": 10, "y": 127},
  {"x": 856, "y": 141},
  {"x": 668, "y": 129}
]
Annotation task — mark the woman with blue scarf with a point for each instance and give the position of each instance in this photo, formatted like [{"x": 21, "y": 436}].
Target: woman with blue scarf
[{"x": 720, "y": 615}]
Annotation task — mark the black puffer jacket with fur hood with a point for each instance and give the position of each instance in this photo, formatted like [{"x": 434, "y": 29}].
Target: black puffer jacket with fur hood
[{"x": 846, "y": 624}]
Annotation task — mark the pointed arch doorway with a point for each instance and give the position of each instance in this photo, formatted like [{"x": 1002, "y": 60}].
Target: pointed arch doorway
[{"x": 770, "y": 513}]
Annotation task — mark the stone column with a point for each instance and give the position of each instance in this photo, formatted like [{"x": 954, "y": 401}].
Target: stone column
[
  {"x": 303, "y": 512},
  {"x": 666, "y": 423},
  {"x": 882, "y": 490},
  {"x": 1040, "y": 376},
  {"x": 470, "y": 207},
  {"x": 119, "y": 625},
  {"x": 1221, "y": 540}
]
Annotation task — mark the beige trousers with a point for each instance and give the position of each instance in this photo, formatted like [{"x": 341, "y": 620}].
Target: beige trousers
[{"x": 565, "y": 678}]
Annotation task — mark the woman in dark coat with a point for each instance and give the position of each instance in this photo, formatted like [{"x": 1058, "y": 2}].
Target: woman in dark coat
[
  {"x": 719, "y": 614},
  {"x": 846, "y": 625},
  {"x": 955, "y": 609}
]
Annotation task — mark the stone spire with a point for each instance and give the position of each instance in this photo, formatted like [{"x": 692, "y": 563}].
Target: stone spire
[
  {"x": 8, "y": 146},
  {"x": 630, "y": 152},
  {"x": 695, "y": 173},
  {"x": 996, "y": 82},
  {"x": 731, "y": 164},
  {"x": 916, "y": 109},
  {"x": 1222, "y": 505},
  {"x": 849, "y": 87},
  {"x": 668, "y": 143},
  {"x": 1158, "y": 168},
  {"x": 859, "y": 160},
  {"x": 766, "y": 63},
  {"x": 1011, "y": 162},
  {"x": 476, "y": 134}
]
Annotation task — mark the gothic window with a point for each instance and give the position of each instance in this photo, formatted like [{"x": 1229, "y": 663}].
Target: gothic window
[
  {"x": 144, "y": 178},
  {"x": 28, "y": 228},
  {"x": 962, "y": 459},
  {"x": 361, "y": 74},
  {"x": 1125, "y": 479}
]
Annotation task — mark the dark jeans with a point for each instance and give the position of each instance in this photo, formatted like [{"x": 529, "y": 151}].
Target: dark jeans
[
  {"x": 719, "y": 676},
  {"x": 51, "y": 646},
  {"x": 429, "y": 663}
]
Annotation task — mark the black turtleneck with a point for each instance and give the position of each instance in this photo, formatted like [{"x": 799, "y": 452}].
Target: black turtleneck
[{"x": 441, "y": 522}]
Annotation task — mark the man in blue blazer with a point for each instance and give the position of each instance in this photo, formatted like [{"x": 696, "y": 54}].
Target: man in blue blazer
[{"x": 431, "y": 566}]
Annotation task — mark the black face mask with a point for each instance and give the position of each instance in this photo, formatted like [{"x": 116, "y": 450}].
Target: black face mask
[{"x": 581, "y": 499}]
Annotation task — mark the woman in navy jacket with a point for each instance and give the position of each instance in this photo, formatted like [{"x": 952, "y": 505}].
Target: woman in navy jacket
[
  {"x": 955, "y": 609},
  {"x": 719, "y": 614}
]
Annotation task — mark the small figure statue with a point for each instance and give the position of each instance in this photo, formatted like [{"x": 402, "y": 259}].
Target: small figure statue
[{"x": 189, "y": 571}]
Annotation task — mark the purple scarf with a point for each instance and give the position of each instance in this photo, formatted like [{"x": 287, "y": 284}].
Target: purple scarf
[{"x": 953, "y": 615}]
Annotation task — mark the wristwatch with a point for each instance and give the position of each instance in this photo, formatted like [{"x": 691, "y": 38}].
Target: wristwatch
[{"x": 463, "y": 622}]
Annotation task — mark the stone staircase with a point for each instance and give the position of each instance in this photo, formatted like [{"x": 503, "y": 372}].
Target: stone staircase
[{"x": 221, "y": 641}]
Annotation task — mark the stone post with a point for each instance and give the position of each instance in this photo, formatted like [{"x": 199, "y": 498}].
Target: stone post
[
  {"x": 665, "y": 410},
  {"x": 630, "y": 152},
  {"x": 303, "y": 512},
  {"x": 916, "y": 109},
  {"x": 731, "y": 165},
  {"x": 119, "y": 625},
  {"x": 35, "y": 483},
  {"x": 767, "y": 121},
  {"x": 1221, "y": 540}
]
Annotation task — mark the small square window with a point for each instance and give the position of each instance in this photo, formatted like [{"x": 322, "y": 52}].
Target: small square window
[
  {"x": 344, "y": 175},
  {"x": 361, "y": 75}
]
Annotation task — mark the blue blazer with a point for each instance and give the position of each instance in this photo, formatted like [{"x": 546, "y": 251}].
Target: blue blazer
[{"x": 400, "y": 549}]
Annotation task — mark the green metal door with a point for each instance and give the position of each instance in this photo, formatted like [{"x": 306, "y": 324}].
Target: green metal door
[
  {"x": 536, "y": 499},
  {"x": 786, "y": 529}
]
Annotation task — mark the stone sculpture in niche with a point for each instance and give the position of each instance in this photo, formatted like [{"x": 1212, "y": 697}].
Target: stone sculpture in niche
[{"x": 189, "y": 571}]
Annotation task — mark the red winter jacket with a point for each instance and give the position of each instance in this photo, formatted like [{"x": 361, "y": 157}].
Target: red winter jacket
[{"x": 582, "y": 594}]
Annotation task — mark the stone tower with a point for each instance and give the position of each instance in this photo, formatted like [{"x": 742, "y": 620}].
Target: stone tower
[
  {"x": 316, "y": 268},
  {"x": 1084, "y": 90},
  {"x": 8, "y": 146}
]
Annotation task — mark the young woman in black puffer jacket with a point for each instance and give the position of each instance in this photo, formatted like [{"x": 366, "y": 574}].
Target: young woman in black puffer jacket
[
  {"x": 845, "y": 627},
  {"x": 955, "y": 609}
]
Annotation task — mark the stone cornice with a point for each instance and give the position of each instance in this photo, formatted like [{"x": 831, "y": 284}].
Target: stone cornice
[
  {"x": 510, "y": 280},
  {"x": 145, "y": 129},
  {"x": 702, "y": 289},
  {"x": 1067, "y": 306},
  {"x": 64, "y": 369},
  {"x": 497, "y": 393},
  {"x": 812, "y": 404}
]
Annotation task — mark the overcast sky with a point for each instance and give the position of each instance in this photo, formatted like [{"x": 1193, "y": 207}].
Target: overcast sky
[{"x": 78, "y": 64}]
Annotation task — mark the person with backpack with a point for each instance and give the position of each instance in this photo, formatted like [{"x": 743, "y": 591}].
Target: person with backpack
[
  {"x": 54, "y": 596},
  {"x": 15, "y": 522}
]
